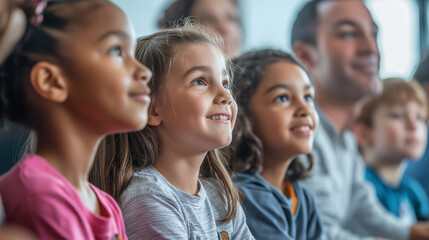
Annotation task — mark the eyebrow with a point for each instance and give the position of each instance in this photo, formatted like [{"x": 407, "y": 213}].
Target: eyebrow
[
  {"x": 203, "y": 69},
  {"x": 285, "y": 86},
  {"x": 117, "y": 33},
  {"x": 352, "y": 23}
]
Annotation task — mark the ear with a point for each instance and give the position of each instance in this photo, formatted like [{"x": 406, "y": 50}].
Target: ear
[
  {"x": 47, "y": 80},
  {"x": 305, "y": 53},
  {"x": 363, "y": 134},
  {"x": 154, "y": 118}
]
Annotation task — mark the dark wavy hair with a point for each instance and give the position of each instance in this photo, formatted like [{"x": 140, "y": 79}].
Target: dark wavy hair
[
  {"x": 246, "y": 149},
  {"x": 38, "y": 44}
]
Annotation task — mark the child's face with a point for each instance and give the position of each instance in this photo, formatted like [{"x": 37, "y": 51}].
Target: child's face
[
  {"x": 197, "y": 111},
  {"x": 398, "y": 131},
  {"x": 107, "y": 86},
  {"x": 283, "y": 112}
]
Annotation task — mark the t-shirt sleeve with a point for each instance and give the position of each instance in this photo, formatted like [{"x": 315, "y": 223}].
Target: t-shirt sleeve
[
  {"x": 50, "y": 216},
  {"x": 149, "y": 216},
  {"x": 263, "y": 219}
]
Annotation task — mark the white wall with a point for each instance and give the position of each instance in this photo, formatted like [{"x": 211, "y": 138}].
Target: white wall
[{"x": 268, "y": 23}]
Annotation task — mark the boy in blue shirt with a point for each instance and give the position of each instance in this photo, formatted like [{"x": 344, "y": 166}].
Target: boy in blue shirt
[{"x": 390, "y": 129}]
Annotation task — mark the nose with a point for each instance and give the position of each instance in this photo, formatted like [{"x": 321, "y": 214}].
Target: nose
[
  {"x": 142, "y": 73},
  {"x": 369, "y": 44},
  {"x": 303, "y": 109},
  {"x": 411, "y": 123},
  {"x": 224, "y": 97}
]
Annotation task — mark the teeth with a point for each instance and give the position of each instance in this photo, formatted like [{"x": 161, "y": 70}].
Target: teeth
[
  {"x": 219, "y": 117},
  {"x": 303, "y": 128}
]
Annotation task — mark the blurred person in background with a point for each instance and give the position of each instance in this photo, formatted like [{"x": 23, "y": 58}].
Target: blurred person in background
[{"x": 222, "y": 16}]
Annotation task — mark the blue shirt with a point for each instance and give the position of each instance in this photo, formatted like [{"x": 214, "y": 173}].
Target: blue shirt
[
  {"x": 269, "y": 212},
  {"x": 407, "y": 201}
]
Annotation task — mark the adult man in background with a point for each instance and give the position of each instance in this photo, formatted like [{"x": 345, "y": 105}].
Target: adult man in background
[{"x": 336, "y": 41}]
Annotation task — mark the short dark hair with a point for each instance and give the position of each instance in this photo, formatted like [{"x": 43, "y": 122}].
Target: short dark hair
[
  {"x": 178, "y": 10},
  {"x": 422, "y": 73},
  {"x": 305, "y": 24},
  {"x": 246, "y": 149}
]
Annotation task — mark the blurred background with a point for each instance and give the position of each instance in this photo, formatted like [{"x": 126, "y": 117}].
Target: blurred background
[{"x": 403, "y": 40}]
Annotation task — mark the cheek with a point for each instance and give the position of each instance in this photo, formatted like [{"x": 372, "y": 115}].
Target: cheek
[{"x": 387, "y": 133}]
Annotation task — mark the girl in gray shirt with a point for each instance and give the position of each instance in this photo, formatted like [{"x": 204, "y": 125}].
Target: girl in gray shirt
[{"x": 169, "y": 178}]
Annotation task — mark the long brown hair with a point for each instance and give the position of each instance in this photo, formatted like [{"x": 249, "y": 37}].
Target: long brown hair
[
  {"x": 246, "y": 149},
  {"x": 120, "y": 155}
]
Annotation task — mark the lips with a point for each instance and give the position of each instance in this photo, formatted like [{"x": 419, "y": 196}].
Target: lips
[
  {"x": 367, "y": 65},
  {"x": 302, "y": 128},
  {"x": 220, "y": 117},
  {"x": 143, "y": 95}
]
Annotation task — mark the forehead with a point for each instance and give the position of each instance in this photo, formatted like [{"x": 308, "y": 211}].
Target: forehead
[
  {"x": 284, "y": 73},
  {"x": 334, "y": 11},
  {"x": 94, "y": 18},
  {"x": 198, "y": 54},
  {"x": 212, "y": 6}
]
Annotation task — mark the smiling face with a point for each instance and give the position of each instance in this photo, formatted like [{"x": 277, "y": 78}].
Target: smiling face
[
  {"x": 346, "y": 52},
  {"x": 196, "y": 110},
  {"x": 107, "y": 87},
  {"x": 282, "y": 110}
]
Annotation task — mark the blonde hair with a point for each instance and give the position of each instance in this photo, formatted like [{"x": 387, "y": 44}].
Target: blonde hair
[
  {"x": 395, "y": 91},
  {"x": 120, "y": 155}
]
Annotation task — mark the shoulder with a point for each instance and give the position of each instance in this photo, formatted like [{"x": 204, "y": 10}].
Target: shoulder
[
  {"x": 251, "y": 182},
  {"x": 146, "y": 182},
  {"x": 33, "y": 178}
]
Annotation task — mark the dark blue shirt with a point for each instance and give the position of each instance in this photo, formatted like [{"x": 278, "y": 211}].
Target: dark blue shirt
[{"x": 269, "y": 212}]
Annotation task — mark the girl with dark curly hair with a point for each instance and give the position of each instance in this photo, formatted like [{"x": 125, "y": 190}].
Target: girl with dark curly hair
[{"x": 276, "y": 123}]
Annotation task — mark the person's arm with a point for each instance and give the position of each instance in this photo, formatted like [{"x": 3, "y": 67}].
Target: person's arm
[
  {"x": 367, "y": 215},
  {"x": 325, "y": 184},
  {"x": 149, "y": 216}
]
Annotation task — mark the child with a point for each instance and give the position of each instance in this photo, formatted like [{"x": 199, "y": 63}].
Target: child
[
  {"x": 73, "y": 79},
  {"x": 277, "y": 122},
  {"x": 392, "y": 128},
  {"x": 172, "y": 183}
]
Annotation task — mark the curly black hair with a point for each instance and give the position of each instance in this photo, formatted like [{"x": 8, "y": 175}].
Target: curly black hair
[{"x": 246, "y": 149}]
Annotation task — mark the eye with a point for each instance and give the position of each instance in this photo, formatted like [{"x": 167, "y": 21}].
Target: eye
[
  {"x": 309, "y": 98},
  {"x": 225, "y": 84},
  {"x": 281, "y": 98},
  {"x": 348, "y": 34},
  {"x": 116, "y": 51},
  {"x": 395, "y": 115},
  {"x": 421, "y": 118},
  {"x": 198, "y": 82}
]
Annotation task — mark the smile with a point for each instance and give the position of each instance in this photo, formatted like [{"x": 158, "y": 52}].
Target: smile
[{"x": 219, "y": 117}]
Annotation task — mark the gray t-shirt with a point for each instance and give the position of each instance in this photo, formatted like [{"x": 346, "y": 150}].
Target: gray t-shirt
[{"x": 155, "y": 209}]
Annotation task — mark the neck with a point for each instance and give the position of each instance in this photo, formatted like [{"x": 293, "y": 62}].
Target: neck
[
  {"x": 340, "y": 113},
  {"x": 274, "y": 169},
  {"x": 180, "y": 169},
  {"x": 69, "y": 149},
  {"x": 390, "y": 173}
]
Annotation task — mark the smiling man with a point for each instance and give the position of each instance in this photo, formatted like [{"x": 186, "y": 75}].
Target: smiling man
[{"x": 336, "y": 40}]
